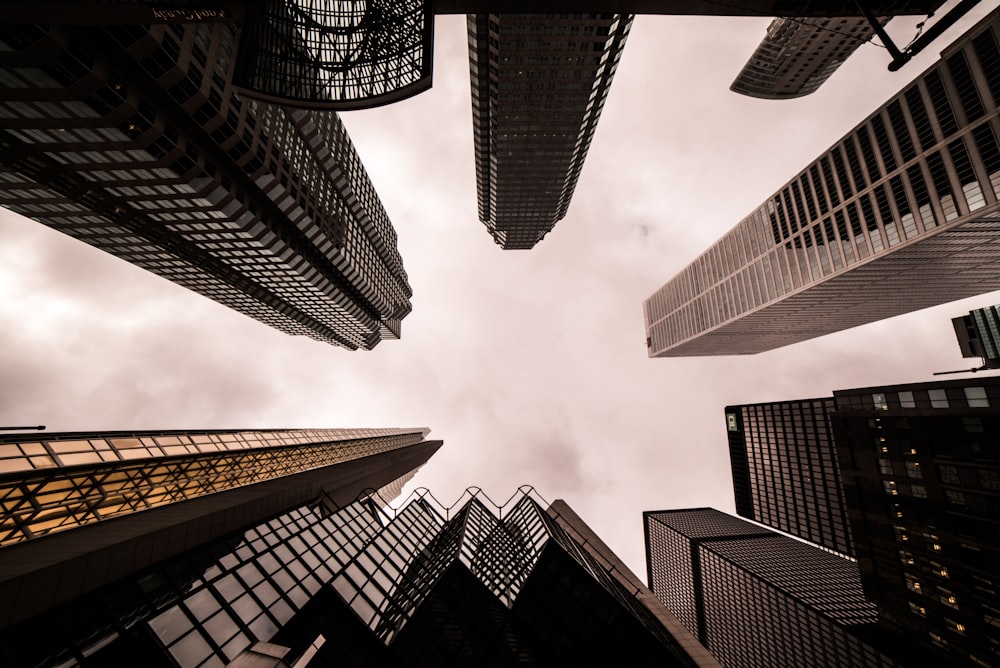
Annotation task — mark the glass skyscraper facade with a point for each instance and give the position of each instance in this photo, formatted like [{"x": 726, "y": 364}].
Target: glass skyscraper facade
[
  {"x": 133, "y": 139},
  {"x": 785, "y": 471},
  {"x": 921, "y": 475},
  {"x": 906, "y": 204},
  {"x": 757, "y": 598},
  {"x": 798, "y": 54},
  {"x": 979, "y": 334},
  {"x": 539, "y": 82},
  {"x": 325, "y": 583},
  {"x": 81, "y": 510}
]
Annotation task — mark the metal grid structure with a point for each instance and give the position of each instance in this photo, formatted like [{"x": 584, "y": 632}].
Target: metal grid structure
[
  {"x": 919, "y": 180},
  {"x": 79, "y": 479},
  {"x": 132, "y": 139},
  {"x": 539, "y": 82},
  {"x": 335, "y": 54},
  {"x": 755, "y": 598},
  {"x": 798, "y": 54},
  {"x": 785, "y": 470},
  {"x": 365, "y": 584}
]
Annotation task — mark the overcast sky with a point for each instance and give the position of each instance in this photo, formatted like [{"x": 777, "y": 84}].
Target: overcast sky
[{"x": 530, "y": 365}]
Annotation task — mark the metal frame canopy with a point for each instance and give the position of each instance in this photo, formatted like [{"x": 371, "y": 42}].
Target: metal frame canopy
[{"x": 335, "y": 54}]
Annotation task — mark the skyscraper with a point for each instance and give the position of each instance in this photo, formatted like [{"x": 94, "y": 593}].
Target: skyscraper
[
  {"x": 133, "y": 140},
  {"x": 899, "y": 215},
  {"x": 756, "y": 598},
  {"x": 81, "y": 510},
  {"x": 921, "y": 475},
  {"x": 798, "y": 54},
  {"x": 979, "y": 335},
  {"x": 539, "y": 82},
  {"x": 785, "y": 471},
  {"x": 324, "y": 583}
]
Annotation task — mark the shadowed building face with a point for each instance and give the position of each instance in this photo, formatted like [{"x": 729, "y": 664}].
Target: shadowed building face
[{"x": 539, "y": 82}]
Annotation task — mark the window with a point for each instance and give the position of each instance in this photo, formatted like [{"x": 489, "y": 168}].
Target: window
[
  {"x": 976, "y": 396},
  {"x": 919, "y": 491},
  {"x": 938, "y": 398},
  {"x": 955, "y": 498},
  {"x": 949, "y": 474},
  {"x": 906, "y": 400},
  {"x": 913, "y": 470},
  {"x": 880, "y": 402}
]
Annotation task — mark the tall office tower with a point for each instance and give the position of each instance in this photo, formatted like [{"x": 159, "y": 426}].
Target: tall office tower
[
  {"x": 81, "y": 510},
  {"x": 756, "y": 598},
  {"x": 358, "y": 585},
  {"x": 921, "y": 475},
  {"x": 901, "y": 214},
  {"x": 979, "y": 335},
  {"x": 798, "y": 54},
  {"x": 133, "y": 140},
  {"x": 539, "y": 82},
  {"x": 785, "y": 471}
]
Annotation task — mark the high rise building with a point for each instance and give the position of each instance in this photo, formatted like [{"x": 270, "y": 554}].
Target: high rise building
[
  {"x": 81, "y": 510},
  {"x": 900, "y": 214},
  {"x": 539, "y": 82},
  {"x": 921, "y": 476},
  {"x": 785, "y": 471},
  {"x": 133, "y": 140},
  {"x": 979, "y": 335},
  {"x": 757, "y": 598},
  {"x": 324, "y": 583},
  {"x": 798, "y": 54}
]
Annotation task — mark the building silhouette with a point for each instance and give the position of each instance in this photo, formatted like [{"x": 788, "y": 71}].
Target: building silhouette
[
  {"x": 83, "y": 509},
  {"x": 357, "y": 583},
  {"x": 917, "y": 483},
  {"x": 924, "y": 504},
  {"x": 798, "y": 54},
  {"x": 133, "y": 139},
  {"x": 539, "y": 82},
  {"x": 849, "y": 239},
  {"x": 785, "y": 471},
  {"x": 756, "y": 598},
  {"x": 979, "y": 335}
]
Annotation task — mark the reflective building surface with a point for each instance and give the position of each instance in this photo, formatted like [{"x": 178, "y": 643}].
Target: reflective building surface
[
  {"x": 798, "y": 54},
  {"x": 917, "y": 180},
  {"x": 756, "y": 598},
  {"x": 979, "y": 335},
  {"x": 785, "y": 472},
  {"x": 539, "y": 82},
  {"x": 324, "y": 584},
  {"x": 132, "y": 139},
  {"x": 921, "y": 475},
  {"x": 81, "y": 510},
  {"x": 335, "y": 55}
]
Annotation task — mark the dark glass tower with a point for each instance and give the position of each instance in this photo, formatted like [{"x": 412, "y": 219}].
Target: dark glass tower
[
  {"x": 798, "y": 54},
  {"x": 756, "y": 598},
  {"x": 785, "y": 472},
  {"x": 132, "y": 139},
  {"x": 539, "y": 82},
  {"x": 357, "y": 584},
  {"x": 81, "y": 510},
  {"x": 921, "y": 475},
  {"x": 979, "y": 335},
  {"x": 898, "y": 215}
]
